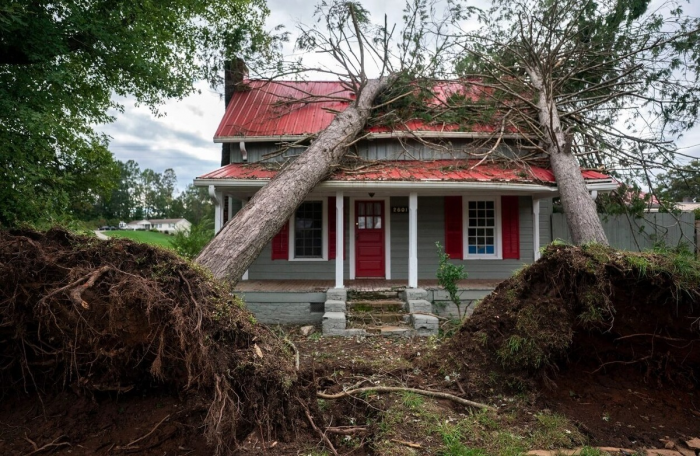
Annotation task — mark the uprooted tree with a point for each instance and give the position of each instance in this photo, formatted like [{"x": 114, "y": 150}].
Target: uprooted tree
[
  {"x": 351, "y": 40},
  {"x": 600, "y": 83}
]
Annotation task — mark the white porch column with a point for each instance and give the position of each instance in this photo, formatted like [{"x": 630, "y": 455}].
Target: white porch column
[
  {"x": 230, "y": 209},
  {"x": 536, "y": 227},
  {"x": 217, "y": 199},
  {"x": 413, "y": 240},
  {"x": 339, "y": 240},
  {"x": 245, "y": 274}
]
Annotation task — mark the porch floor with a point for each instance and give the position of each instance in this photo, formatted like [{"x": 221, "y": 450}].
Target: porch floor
[{"x": 359, "y": 285}]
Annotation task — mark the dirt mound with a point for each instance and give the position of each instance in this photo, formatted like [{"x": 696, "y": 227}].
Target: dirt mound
[
  {"x": 94, "y": 316},
  {"x": 597, "y": 332}
]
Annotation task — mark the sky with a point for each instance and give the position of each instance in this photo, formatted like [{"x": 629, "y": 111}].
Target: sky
[{"x": 182, "y": 139}]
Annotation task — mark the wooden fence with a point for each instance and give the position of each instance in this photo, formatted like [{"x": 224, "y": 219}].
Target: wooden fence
[{"x": 630, "y": 233}]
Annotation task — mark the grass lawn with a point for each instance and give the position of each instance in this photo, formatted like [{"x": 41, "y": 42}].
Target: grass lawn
[{"x": 147, "y": 237}]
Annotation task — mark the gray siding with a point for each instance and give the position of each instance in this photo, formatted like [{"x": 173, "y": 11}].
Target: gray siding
[
  {"x": 545, "y": 221},
  {"x": 636, "y": 234},
  {"x": 430, "y": 231},
  {"x": 264, "y": 268},
  {"x": 379, "y": 149}
]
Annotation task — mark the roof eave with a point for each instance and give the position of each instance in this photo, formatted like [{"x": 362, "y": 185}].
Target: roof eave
[{"x": 377, "y": 135}]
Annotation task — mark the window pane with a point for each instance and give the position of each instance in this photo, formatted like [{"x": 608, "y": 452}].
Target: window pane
[
  {"x": 378, "y": 223},
  {"x": 481, "y": 228},
  {"x": 361, "y": 223},
  {"x": 308, "y": 230}
]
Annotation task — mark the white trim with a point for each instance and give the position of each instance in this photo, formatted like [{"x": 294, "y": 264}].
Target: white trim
[
  {"x": 245, "y": 274},
  {"x": 230, "y": 208},
  {"x": 351, "y": 240},
  {"x": 387, "y": 237},
  {"x": 413, "y": 240},
  {"x": 218, "y": 211},
  {"x": 339, "y": 254},
  {"x": 324, "y": 232},
  {"x": 504, "y": 188},
  {"x": 536, "y": 228},
  {"x": 380, "y": 135},
  {"x": 387, "y": 234},
  {"x": 465, "y": 228}
]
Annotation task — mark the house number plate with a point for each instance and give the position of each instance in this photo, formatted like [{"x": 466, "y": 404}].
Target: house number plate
[{"x": 399, "y": 209}]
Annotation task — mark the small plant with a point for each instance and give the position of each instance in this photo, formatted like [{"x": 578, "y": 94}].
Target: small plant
[
  {"x": 189, "y": 243},
  {"x": 411, "y": 400},
  {"x": 448, "y": 275}
]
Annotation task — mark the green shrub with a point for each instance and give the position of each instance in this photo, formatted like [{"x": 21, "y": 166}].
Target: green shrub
[
  {"x": 189, "y": 243},
  {"x": 448, "y": 275}
]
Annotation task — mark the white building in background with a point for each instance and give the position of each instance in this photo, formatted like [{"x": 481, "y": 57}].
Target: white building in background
[
  {"x": 170, "y": 226},
  {"x": 167, "y": 226}
]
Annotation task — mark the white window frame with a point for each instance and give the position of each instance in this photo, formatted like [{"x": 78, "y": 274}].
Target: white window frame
[
  {"x": 498, "y": 238},
  {"x": 324, "y": 233}
]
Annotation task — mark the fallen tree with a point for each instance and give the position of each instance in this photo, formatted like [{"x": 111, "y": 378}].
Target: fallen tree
[
  {"x": 240, "y": 242},
  {"x": 586, "y": 311},
  {"x": 237, "y": 245},
  {"x": 601, "y": 84},
  {"x": 123, "y": 318}
]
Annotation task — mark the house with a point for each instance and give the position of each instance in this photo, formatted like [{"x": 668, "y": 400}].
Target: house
[
  {"x": 170, "y": 226},
  {"x": 167, "y": 226},
  {"x": 138, "y": 225},
  {"x": 380, "y": 216}
]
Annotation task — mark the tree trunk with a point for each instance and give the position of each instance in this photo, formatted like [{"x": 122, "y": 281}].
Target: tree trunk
[
  {"x": 241, "y": 240},
  {"x": 579, "y": 207}
]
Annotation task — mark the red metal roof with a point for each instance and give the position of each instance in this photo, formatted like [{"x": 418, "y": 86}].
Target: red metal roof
[
  {"x": 414, "y": 170},
  {"x": 261, "y": 109}
]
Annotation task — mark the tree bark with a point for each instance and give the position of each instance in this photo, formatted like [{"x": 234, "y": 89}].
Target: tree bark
[
  {"x": 241, "y": 240},
  {"x": 581, "y": 215}
]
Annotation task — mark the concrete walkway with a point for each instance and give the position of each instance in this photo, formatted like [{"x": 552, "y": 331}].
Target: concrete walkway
[{"x": 101, "y": 235}]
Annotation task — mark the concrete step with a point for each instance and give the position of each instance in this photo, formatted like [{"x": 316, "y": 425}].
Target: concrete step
[
  {"x": 386, "y": 330},
  {"x": 359, "y": 295},
  {"x": 376, "y": 317},
  {"x": 377, "y": 305}
]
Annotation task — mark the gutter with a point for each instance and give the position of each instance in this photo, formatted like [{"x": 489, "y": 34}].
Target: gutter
[
  {"x": 605, "y": 186},
  {"x": 380, "y": 135}
]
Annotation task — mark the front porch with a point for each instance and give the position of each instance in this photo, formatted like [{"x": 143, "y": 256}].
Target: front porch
[
  {"x": 315, "y": 286},
  {"x": 300, "y": 302}
]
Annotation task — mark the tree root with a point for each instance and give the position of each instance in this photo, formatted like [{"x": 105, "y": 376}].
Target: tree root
[
  {"x": 133, "y": 442},
  {"x": 394, "y": 389},
  {"x": 318, "y": 431},
  {"x": 52, "y": 445},
  {"x": 76, "y": 295}
]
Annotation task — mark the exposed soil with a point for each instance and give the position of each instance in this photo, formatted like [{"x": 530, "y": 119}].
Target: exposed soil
[
  {"x": 610, "y": 340},
  {"x": 588, "y": 346},
  {"x": 118, "y": 319}
]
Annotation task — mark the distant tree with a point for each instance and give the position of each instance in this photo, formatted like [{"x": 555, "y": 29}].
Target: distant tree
[
  {"x": 194, "y": 204},
  {"x": 681, "y": 183},
  {"x": 61, "y": 64},
  {"x": 123, "y": 199}
]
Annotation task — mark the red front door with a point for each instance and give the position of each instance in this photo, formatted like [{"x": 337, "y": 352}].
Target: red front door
[{"x": 369, "y": 239}]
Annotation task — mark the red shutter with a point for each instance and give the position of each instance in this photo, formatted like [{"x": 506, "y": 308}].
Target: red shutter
[
  {"x": 510, "y": 225},
  {"x": 331, "y": 227},
  {"x": 453, "y": 227},
  {"x": 280, "y": 244}
]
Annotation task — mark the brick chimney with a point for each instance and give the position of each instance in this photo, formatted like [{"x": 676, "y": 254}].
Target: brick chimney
[{"x": 235, "y": 72}]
